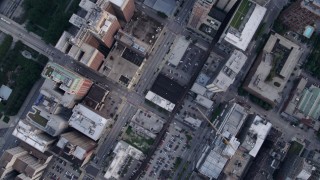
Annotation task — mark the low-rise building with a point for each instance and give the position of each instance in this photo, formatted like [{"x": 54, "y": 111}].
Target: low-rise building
[
  {"x": 271, "y": 71},
  {"x": 146, "y": 123},
  {"x": 96, "y": 97},
  {"x": 228, "y": 72},
  {"x": 124, "y": 155},
  {"x": 180, "y": 46},
  {"x": 88, "y": 122},
  {"x": 5, "y": 92},
  {"x": 165, "y": 92},
  {"x": 300, "y": 14}
]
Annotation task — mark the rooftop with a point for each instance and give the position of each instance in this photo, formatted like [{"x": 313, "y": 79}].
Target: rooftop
[
  {"x": 160, "y": 101},
  {"x": 273, "y": 68},
  {"x": 193, "y": 122},
  {"x": 233, "y": 119},
  {"x": 122, "y": 151},
  {"x": 76, "y": 143},
  {"x": 256, "y": 135},
  {"x": 148, "y": 122},
  {"x": 167, "y": 88},
  {"x": 5, "y": 92},
  {"x": 179, "y": 48},
  {"x": 47, "y": 121},
  {"x": 241, "y": 39},
  {"x": 213, "y": 165},
  {"x": 32, "y": 136},
  {"x": 228, "y": 72},
  {"x": 309, "y": 103},
  {"x": 88, "y": 122},
  {"x": 95, "y": 96},
  {"x": 68, "y": 80}
]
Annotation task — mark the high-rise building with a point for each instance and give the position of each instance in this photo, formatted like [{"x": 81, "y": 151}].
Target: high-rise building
[
  {"x": 67, "y": 81},
  {"x": 95, "y": 33},
  {"x": 33, "y": 136},
  {"x": 228, "y": 73},
  {"x": 244, "y": 24},
  {"x": 76, "y": 145},
  {"x": 124, "y": 9},
  {"x": 29, "y": 163},
  {"x": 88, "y": 122}
]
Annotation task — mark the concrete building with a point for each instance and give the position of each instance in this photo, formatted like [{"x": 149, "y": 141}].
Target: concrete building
[
  {"x": 228, "y": 73},
  {"x": 180, "y": 46},
  {"x": 125, "y": 61},
  {"x": 124, "y": 153},
  {"x": 96, "y": 97},
  {"x": 207, "y": 16},
  {"x": 76, "y": 145},
  {"x": 256, "y": 135},
  {"x": 268, "y": 77},
  {"x": 213, "y": 160},
  {"x": 165, "y": 92},
  {"x": 309, "y": 103},
  {"x": 88, "y": 122},
  {"x": 124, "y": 9},
  {"x": 146, "y": 123},
  {"x": 244, "y": 24},
  {"x": 132, "y": 43},
  {"x": 302, "y": 170},
  {"x": 94, "y": 29},
  {"x": 300, "y": 14},
  {"x": 66, "y": 80},
  {"x": 33, "y": 136},
  {"x": 27, "y": 163},
  {"x": 196, "y": 123}
]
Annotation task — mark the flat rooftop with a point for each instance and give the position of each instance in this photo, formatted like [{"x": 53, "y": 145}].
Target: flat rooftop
[
  {"x": 256, "y": 135},
  {"x": 88, "y": 122},
  {"x": 213, "y": 165},
  {"x": 122, "y": 151},
  {"x": 148, "y": 121},
  {"x": 160, "y": 101},
  {"x": 273, "y": 68},
  {"x": 229, "y": 71},
  {"x": 241, "y": 39},
  {"x": 233, "y": 119},
  {"x": 179, "y": 48},
  {"x": 32, "y": 136},
  {"x": 69, "y": 80},
  {"x": 167, "y": 88}
]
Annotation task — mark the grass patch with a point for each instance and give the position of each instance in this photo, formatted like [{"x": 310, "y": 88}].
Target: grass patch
[
  {"x": 38, "y": 119},
  {"x": 6, "y": 119},
  {"x": 240, "y": 14},
  {"x": 49, "y": 18},
  {"x": 177, "y": 163},
  {"x": 137, "y": 141},
  {"x": 216, "y": 113},
  {"x": 260, "y": 102},
  {"x": 313, "y": 64},
  {"x": 19, "y": 74},
  {"x": 295, "y": 148}
]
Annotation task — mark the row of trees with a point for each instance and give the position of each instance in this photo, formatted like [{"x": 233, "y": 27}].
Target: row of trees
[{"x": 49, "y": 18}]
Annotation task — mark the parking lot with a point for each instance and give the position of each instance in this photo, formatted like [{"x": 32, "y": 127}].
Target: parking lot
[
  {"x": 189, "y": 109},
  {"x": 144, "y": 28},
  {"x": 170, "y": 149},
  {"x": 60, "y": 169},
  {"x": 186, "y": 67}
]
